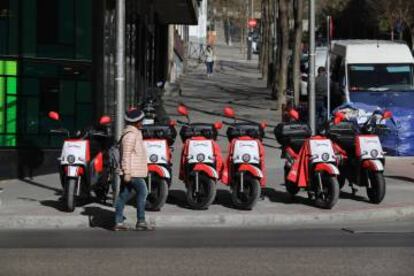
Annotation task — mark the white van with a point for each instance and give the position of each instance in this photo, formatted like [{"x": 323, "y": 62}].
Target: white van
[{"x": 377, "y": 73}]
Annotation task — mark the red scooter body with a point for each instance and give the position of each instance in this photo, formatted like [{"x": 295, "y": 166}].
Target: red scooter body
[
  {"x": 361, "y": 155},
  {"x": 311, "y": 163},
  {"x": 245, "y": 166},
  {"x": 81, "y": 170},
  {"x": 201, "y": 163},
  {"x": 158, "y": 141}
]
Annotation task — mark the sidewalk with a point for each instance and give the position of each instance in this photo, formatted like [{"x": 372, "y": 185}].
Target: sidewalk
[{"x": 35, "y": 203}]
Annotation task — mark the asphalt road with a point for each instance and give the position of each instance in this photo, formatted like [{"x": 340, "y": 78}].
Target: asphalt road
[{"x": 355, "y": 251}]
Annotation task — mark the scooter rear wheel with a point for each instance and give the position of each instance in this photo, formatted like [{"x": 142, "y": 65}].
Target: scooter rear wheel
[
  {"x": 328, "y": 197},
  {"x": 291, "y": 187},
  {"x": 247, "y": 199},
  {"x": 206, "y": 194}
]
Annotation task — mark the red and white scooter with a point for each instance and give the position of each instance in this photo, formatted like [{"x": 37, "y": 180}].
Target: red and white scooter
[
  {"x": 201, "y": 161},
  {"x": 81, "y": 168},
  {"x": 362, "y": 158},
  {"x": 311, "y": 162},
  {"x": 158, "y": 141},
  {"x": 245, "y": 162}
]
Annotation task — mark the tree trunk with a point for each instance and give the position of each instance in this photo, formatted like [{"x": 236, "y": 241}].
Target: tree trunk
[
  {"x": 297, "y": 48},
  {"x": 284, "y": 57}
]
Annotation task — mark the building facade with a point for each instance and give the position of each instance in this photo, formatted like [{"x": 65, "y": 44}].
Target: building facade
[{"x": 59, "y": 55}]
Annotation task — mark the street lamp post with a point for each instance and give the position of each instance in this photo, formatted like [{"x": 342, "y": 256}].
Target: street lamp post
[
  {"x": 311, "y": 79},
  {"x": 120, "y": 67}
]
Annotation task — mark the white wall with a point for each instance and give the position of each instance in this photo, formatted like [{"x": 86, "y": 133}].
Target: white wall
[{"x": 198, "y": 33}]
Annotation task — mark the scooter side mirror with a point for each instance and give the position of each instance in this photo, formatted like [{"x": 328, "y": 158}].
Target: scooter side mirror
[
  {"x": 229, "y": 112},
  {"x": 54, "y": 115},
  {"x": 218, "y": 125},
  {"x": 294, "y": 114},
  {"x": 387, "y": 114},
  {"x": 172, "y": 123},
  {"x": 105, "y": 120},
  {"x": 339, "y": 117},
  {"x": 183, "y": 110},
  {"x": 263, "y": 124}
]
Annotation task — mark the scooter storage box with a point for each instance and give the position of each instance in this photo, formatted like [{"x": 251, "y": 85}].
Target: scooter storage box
[
  {"x": 160, "y": 132},
  {"x": 198, "y": 129},
  {"x": 344, "y": 134},
  {"x": 292, "y": 134},
  {"x": 245, "y": 129}
]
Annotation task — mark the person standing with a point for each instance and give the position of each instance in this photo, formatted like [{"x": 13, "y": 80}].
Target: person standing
[
  {"x": 134, "y": 170},
  {"x": 321, "y": 83},
  {"x": 210, "y": 60}
]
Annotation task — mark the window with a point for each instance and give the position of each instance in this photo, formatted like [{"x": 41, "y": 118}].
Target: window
[
  {"x": 8, "y": 102},
  {"x": 381, "y": 77}
]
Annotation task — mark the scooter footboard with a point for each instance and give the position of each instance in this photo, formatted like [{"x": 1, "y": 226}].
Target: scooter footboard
[
  {"x": 373, "y": 165},
  {"x": 159, "y": 170},
  {"x": 208, "y": 170},
  {"x": 331, "y": 169}
]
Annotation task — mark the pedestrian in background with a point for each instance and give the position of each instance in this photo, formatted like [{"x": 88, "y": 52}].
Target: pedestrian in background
[
  {"x": 210, "y": 60},
  {"x": 134, "y": 170},
  {"x": 321, "y": 84}
]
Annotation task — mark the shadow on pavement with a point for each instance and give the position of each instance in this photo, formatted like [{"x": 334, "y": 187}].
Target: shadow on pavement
[
  {"x": 402, "y": 178},
  {"x": 346, "y": 195},
  {"x": 40, "y": 185},
  {"x": 99, "y": 217},
  {"x": 286, "y": 198},
  {"x": 177, "y": 197},
  {"x": 56, "y": 204}
]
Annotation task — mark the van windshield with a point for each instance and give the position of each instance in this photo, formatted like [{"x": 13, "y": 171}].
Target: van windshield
[{"x": 381, "y": 77}]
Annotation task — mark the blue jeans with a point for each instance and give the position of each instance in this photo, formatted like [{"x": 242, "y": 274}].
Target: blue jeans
[
  {"x": 321, "y": 115},
  {"x": 138, "y": 184},
  {"x": 210, "y": 67}
]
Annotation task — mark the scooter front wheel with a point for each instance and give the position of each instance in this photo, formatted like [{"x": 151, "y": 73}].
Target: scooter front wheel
[
  {"x": 69, "y": 194},
  {"x": 205, "y": 195},
  {"x": 247, "y": 198},
  {"x": 376, "y": 192},
  {"x": 159, "y": 193},
  {"x": 329, "y": 195}
]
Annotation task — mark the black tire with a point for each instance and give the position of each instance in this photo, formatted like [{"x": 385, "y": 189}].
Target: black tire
[
  {"x": 206, "y": 194},
  {"x": 330, "y": 191},
  {"x": 251, "y": 193},
  {"x": 159, "y": 193},
  {"x": 291, "y": 187},
  {"x": 377, "y": 191},
  {"x": 69, "y": 194}
]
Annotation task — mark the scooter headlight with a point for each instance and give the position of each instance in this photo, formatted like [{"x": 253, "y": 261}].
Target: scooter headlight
[
  {"x": 201, "y": 157},
  {"x": 71, "y": 159},
  {"x": 246, "y": 157},
  {"x": 153, "y": 158},
  {"x": 374, "y": 153},
  {"x": 325, "y": 157}
]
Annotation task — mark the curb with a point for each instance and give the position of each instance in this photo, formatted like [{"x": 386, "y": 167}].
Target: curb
[{"x": 216, "y": 220}]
